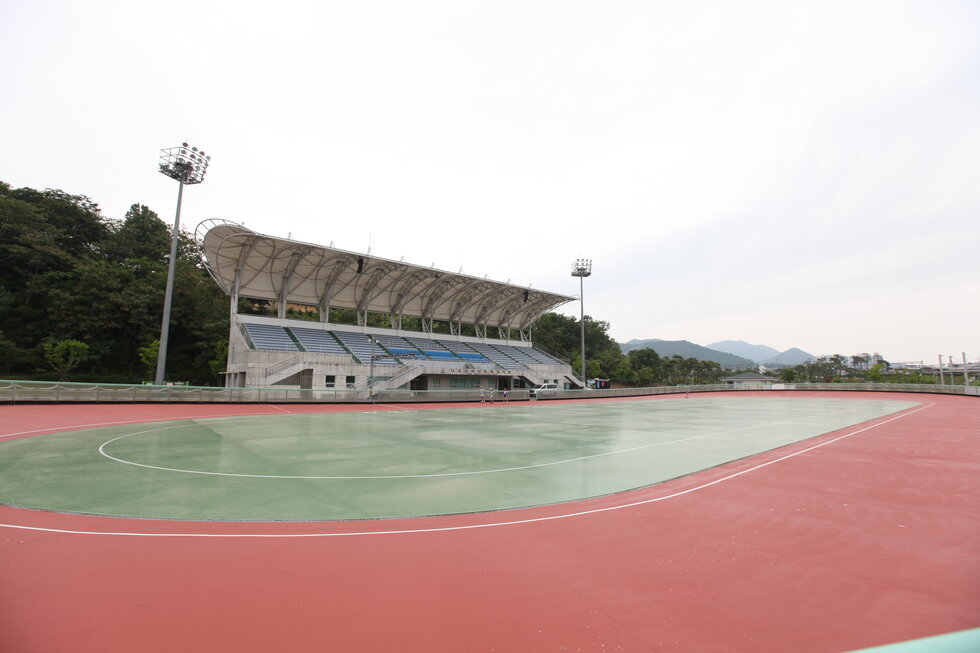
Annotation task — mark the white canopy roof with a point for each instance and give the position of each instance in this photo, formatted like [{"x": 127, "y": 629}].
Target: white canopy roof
[{"x": 249, "y": 264}]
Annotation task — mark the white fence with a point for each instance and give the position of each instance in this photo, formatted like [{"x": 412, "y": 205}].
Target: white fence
[
  {"x": 772, "y": 387},
  {"x": 58, "y": 392}
]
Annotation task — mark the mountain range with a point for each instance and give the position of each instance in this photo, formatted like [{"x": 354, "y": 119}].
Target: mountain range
[
  {"x": 730, "y": 354},
  {"x": 685, "y": 349},
  {"x": 762, "y": 353}
]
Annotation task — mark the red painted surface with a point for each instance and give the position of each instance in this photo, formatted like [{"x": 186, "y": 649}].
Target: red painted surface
[{"x": 870, "y": 539}]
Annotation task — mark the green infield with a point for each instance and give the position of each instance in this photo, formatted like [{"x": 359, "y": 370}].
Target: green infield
[{"x": 403, "y": 463}]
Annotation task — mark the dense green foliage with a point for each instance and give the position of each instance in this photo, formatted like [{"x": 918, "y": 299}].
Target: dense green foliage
[
  {"x": 68, "y": 273},
  {"x": 64, "y": 356}
]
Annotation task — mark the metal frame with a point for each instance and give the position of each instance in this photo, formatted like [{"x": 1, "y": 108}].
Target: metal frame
[
  {"x": 186, "y": 165},
  {"x": 248, "y": 264},
  {"x": 582, "y": 268}
]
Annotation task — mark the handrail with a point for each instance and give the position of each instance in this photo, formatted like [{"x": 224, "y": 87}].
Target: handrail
[
  {"x": 283, "y": 364},
  {"x": 402, "y": 372},
  {"x": 552, "y": 354}
]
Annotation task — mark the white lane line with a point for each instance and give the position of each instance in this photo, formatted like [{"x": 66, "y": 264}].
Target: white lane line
[
  {"x": 279, "y": 408},
  {"x": 437, "y": 475},
  {"x": 515, "y": 522}
]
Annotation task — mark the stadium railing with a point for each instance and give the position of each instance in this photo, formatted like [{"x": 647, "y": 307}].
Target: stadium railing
[{"x": 68, "y": 392}]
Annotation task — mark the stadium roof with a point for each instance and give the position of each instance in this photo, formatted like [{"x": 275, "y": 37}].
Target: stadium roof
[{"x": 248, "y": 264}]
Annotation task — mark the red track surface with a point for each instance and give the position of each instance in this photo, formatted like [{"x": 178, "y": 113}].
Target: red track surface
[{"x": 870, "y": 539}]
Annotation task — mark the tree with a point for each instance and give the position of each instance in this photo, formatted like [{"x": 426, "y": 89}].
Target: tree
[
  {"x": 148, "y": 356},
  {"x": 38, "y": 244},
  {"x": 558, "y": 333},
  {"x": 645, "y": 357},
  {"x": 219, "y": 363},
  {"x": 7, "y": 352},
  {"x": 65, "y": 355},
  {"x": 874, "y": 374},
  {"x": 625, "y": 373},
  {"x": 708, "y": 372},
  {"x": 838, "y": 364},
  {"x": 561, "y": 334},
  {"x": 53, "y": 244},
  {"x": 74, "y": 220},
  {"x": 141, "y": 239}
]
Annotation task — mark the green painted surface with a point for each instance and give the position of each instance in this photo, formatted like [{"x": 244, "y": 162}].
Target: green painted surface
[
  {"x": 403, "y": 463},
  {"x": 964, "y": 641}
]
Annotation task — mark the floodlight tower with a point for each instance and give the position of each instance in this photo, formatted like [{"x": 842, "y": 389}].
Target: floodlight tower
[
  {"x": 582, "y": 268},
  {"x": 374, "y": 341},
  {"x": 187, "y": 165}
]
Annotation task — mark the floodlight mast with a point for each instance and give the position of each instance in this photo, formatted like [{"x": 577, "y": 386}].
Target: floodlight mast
[
  {"x": 582, "y": 268},
  {"x": 374, "y": 341},
  {"x": 187, "y": 165}
]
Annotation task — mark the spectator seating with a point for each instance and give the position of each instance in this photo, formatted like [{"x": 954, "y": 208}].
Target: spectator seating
[
  {"x": 393, "y": 342},
  {"x": 543, "y": 358},
  {"x": 360, "y": 346},
  {"x": 389, "y": 348},
  {"x": 317, "y": 340},
  {"x": 269, "y": 336},
  {"x": 463, "y": 350},
  {"x": 427, "y": 344},
  {"x": 519, "y": 354},
  {"x": 497, "y": 356}
]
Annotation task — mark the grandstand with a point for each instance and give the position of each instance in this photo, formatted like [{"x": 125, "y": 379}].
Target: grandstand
[{"x": 275, "y": 351}]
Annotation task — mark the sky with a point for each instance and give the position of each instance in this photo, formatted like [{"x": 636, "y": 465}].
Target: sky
[{"x": 793, "y": 174}]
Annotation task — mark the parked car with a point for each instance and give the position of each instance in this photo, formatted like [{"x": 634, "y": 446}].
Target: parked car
[{"x": 544, "y": 387}]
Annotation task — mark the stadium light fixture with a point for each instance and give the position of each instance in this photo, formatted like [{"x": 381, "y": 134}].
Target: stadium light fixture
[
  {"x": 582, "y": 268},
  {"x": 187, "y": 165}
]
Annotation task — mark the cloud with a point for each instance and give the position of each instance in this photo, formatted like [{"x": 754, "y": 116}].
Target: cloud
[{"x": 727, "y": 166}]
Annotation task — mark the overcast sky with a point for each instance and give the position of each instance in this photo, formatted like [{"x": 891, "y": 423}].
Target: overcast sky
[{"x": 794, "y": 174}]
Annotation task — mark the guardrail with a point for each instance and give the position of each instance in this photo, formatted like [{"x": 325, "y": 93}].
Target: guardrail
[
  {"x": 773, "y": 387},
  {"x": 65, "y": 392}
]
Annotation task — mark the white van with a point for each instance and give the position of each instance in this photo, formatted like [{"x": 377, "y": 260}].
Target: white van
[{"x": 544, "y": 387}]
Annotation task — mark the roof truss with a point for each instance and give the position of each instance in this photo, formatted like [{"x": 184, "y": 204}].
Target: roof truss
[{"x": 246, "y": 263}]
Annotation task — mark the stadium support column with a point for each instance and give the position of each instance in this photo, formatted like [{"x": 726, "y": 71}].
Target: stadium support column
[
  {"x": 187, "y": 165},
  {"x": 582, "y": 268}
]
